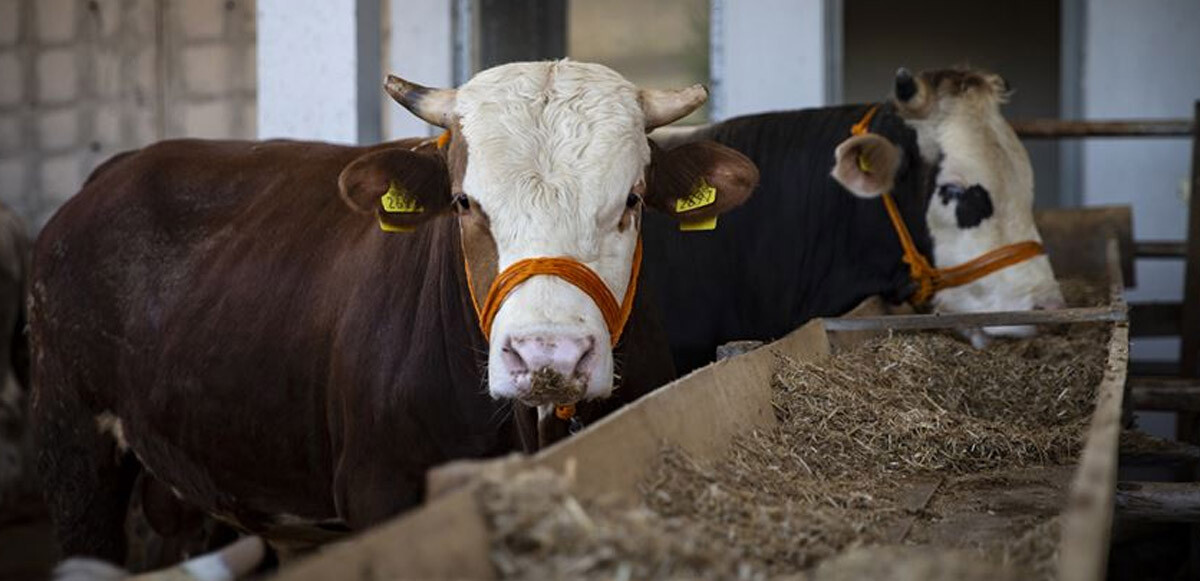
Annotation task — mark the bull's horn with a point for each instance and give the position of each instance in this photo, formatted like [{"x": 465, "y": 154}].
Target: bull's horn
[
  {"x": 666, "y": 106},
  {"x": 434, "y": 106}
]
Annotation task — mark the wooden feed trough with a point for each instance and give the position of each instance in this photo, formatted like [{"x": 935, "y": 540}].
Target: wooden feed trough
[{"x": 702, "y": 413}]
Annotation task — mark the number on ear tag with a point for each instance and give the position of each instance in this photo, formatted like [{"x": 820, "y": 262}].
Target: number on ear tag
[
  {"x": 701, "y": 225},
  {"x": 702, "y": 195},
  {"x": 398, "y": 201}
]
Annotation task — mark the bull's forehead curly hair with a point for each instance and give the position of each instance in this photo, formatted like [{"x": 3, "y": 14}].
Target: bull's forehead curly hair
[
  {"x": 552, "y": 120},
  {"x": 557, "y": 140},
  {"x": 960, "y": 80}
]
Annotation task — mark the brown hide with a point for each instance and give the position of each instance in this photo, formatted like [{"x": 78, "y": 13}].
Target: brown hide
[{"x": 272, "y": 355}]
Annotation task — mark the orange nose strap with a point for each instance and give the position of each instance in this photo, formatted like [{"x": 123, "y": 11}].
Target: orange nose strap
[
  {"x": 571, "y": 270},
  {"x": 930, "y": 280}
]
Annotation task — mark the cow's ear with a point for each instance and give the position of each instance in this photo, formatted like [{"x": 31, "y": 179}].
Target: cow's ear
[
  {"x": 866, "y": 165},
  {"x": 402, "y": 188},
  {"x": 696, "y": 182}
]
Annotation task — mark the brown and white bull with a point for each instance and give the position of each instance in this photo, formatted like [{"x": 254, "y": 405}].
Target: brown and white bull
[{"x": 210, "y": 312}]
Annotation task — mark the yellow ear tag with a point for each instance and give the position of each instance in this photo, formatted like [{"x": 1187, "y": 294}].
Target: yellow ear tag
[
  {"x": 397, "y": 201},
  {"x": 702, "y": 195},
  {"x": 392, "y": 228},
  {"x": 863, "y": 165},
  {"x": 708, "y": 224}
]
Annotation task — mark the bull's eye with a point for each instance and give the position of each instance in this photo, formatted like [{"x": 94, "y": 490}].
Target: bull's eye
[
  {"x": 463, "y": 202},
  {"x": 632, "y": 201}
]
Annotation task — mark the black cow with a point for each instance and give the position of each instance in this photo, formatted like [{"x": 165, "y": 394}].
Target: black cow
[{"x": 809, "y": 245}]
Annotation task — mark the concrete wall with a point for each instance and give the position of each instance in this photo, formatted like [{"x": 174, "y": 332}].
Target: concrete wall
[
  {"x": 81, "y": 80},
  {"x": 1141, "y": 61},
  {"x": 418, "y": 45},
  {"x": 770, "y": 55},
  {"x": 1018, "y": 39},
  {"x": 319, "y": 63}
]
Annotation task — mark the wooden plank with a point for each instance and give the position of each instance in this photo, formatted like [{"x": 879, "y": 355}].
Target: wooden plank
[
  {"x": 1087, "y": 521},
  {"x": 447, "y": 539},
  {"x": 1143, "y": 448},
  {"x": 1058, "y": 128},
  {"x": 913, "y": 501},
  {"x": 1158, "y": 501},
  {"x": 1159, "y": 249},
  {"x": 967, "y": 320},
  {"x": 1076, "y": 239},
  {"x": 1165, "y": 393},
  {"x": 1155, "y": 319}
]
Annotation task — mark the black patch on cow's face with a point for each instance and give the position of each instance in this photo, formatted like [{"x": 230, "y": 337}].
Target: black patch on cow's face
[{"x": 974, "y": 204}]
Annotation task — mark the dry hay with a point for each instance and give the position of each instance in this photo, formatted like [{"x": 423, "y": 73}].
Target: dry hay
[
  {"x": 547, "y": 386},
  {"x": 856, "y": 431},
  {"x": 540, "y": 531},
  {"x": 927, "y": 402}
]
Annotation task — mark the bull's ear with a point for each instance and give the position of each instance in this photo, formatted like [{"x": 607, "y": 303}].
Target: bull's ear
[
  {"x": 696, "y": 182},
  {"x": 402, "y": 188},
  {"x": 866, "y": 165}
]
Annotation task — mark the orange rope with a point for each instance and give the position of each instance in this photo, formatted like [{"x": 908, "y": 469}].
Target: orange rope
[
  {"x": 571, "y": 270},
  {"x": 930, "y": 280},
  {"x": 863, "y": 125}
]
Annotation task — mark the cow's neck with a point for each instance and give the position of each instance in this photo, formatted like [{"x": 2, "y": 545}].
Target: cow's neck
[{"x": 912, "y": 193}]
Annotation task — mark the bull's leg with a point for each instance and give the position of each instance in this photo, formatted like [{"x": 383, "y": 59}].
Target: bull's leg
[{"x": 86, "y": 477}]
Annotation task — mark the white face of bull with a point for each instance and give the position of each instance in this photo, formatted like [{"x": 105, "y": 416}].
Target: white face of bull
[
  {"x": 982, "y": 196},
  {"x": 549, "y": 160},
  {"x": 555, "y": 150}
]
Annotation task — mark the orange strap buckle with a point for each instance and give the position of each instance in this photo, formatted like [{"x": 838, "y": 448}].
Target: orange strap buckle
[{"x": 930, "y": 280}]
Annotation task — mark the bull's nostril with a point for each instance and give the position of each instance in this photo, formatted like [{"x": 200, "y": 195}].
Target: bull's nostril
[
  {"x": 512, "y": 359},
  {"x": 588, "y": 346}
]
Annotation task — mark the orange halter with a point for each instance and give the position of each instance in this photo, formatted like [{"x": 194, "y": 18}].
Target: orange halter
[
  {"x": 571, "y": 270},
  {"x": 615, "y": 314},
  {"x": 930, "y": 280}
]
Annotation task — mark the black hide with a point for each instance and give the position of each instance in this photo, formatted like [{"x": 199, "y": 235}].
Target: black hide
[
  {"x": 971, "y": 206},
  {"x": 801, "y": 247}
]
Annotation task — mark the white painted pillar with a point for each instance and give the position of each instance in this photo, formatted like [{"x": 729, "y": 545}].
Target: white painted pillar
[
  {"x": 769, "y": 55},
  {"x": 421, "y": 51},
  {"x": 319, "y": 73}
]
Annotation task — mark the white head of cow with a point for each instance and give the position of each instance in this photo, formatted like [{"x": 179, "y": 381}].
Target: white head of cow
[
  {"x": 982, "y": 193},
  {"x": 549, "y": 160}
]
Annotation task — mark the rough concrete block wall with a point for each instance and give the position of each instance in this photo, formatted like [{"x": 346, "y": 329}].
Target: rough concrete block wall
[
  {"x": 210, "y": 68},
  {"x": 81, "y": 80}
]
